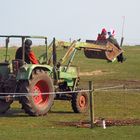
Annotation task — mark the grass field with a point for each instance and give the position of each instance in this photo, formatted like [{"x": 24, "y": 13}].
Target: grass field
[{"x": 15, "y": 124}]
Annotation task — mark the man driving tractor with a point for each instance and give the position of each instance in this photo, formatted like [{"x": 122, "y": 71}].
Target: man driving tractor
[{"x": 30, "y": 57}]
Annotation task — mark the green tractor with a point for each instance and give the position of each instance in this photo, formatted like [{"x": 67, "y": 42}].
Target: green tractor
[{"x": 36, "y": 86}]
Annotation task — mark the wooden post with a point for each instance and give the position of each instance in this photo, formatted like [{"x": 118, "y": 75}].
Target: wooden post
[{"x": 91, "y": 103}]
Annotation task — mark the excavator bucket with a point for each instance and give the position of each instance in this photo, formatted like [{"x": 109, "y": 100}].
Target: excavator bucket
[{"x": 106, "y": 51}]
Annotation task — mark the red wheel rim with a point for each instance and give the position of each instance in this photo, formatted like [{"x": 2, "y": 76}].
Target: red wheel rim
[
  {"x": 40, "y": 99},
  {"x": 82, "y": 101}
]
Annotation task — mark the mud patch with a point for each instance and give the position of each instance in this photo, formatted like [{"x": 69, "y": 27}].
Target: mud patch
[
  {"x": 96, "y": 72},
  {"x": 108, "y": 122}
]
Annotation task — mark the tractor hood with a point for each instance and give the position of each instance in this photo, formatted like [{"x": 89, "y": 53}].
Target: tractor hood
[{"x": 25, "y": 71}]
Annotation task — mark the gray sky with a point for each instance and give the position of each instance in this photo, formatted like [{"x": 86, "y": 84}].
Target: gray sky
[{"x": 74, "y": 19}]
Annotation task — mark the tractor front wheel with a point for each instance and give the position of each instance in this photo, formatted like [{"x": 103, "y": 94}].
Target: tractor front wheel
[
  {"x": 80, "y": 102},
  {"x": 38, "y": 103}
]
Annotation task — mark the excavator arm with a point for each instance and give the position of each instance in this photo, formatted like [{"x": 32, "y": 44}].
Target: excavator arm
[{"x": 106, "y": 51}]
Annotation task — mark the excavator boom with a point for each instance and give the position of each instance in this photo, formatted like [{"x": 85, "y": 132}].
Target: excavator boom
[{"x": 106, "y": 51}]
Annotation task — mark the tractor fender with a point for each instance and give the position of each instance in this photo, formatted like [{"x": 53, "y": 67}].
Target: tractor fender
[{"x": 24, "y": 72}]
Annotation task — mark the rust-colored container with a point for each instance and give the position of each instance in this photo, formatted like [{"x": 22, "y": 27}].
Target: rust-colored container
[{"x": 106, "y": 51}]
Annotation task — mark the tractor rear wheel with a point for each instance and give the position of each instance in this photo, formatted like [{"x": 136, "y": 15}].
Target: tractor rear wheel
[
  {"x": 4, "y": 106},
  {"x": 80, "y": 102},
  {"x": 38, "y": 103}
]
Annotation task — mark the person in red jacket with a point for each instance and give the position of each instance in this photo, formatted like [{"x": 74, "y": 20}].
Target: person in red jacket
[
  {"x": 30, "y": 57},
  {"x": 102, "y": 37}
]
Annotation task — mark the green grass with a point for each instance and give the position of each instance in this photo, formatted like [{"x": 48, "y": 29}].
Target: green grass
[
  {"x": 49, "y": 133},
  {"x": 15, "y": 124},
  {"x": 20, "y": 126}
]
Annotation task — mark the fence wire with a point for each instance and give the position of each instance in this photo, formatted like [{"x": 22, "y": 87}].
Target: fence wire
[
  {"x": 119, "y": 88},
  {"x": 118, "y": 105}
]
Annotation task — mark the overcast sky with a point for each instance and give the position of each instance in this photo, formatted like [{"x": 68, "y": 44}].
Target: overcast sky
[{"x": 74, "y": 19}]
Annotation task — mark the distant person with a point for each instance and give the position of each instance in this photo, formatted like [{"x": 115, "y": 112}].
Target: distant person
[
  {"x": 112, "y": 39},
  {"x": 30, "y": 57},
  {"x": 102, "y": 36}
]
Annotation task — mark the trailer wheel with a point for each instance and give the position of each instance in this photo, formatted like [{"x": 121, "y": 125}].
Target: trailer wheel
[
  {"x": 37, "y": 103},
  {"x": 80, "y": 102},
  {"x": 4, "y": 106}
]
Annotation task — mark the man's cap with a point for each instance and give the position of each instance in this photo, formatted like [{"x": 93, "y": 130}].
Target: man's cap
[{"x": 28, "y": 42}]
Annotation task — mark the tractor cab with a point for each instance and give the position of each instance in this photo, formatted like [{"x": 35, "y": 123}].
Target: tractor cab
[{"x": 10, "y": 64}]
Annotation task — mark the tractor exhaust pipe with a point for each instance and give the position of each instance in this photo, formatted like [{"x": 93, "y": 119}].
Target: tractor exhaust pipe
[{"x": 55, "y": 71}]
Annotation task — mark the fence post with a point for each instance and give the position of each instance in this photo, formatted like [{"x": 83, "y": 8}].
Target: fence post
[{"x": 91, "y": 103}]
